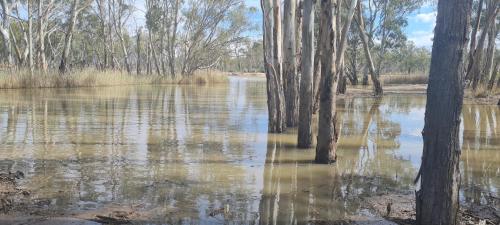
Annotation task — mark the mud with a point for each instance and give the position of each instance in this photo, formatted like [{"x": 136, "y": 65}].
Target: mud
[{"x": 400, "y": 209}]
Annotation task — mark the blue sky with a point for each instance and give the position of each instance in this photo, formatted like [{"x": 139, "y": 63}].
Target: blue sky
[
  {"x": 419, "y": 30},
  {"x": 420, "y": 23}
]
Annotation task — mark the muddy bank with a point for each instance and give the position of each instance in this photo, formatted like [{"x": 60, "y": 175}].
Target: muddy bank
[
  {"x": 418, "y": 89},
  {"x": 400, "y": 209}
]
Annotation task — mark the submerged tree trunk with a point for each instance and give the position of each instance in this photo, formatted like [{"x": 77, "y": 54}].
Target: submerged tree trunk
[
  {"x": 275, "y": 109},
  {"x": 290, "y": 65},
  {"x": 437, "y": 199},
  {"x": 331, "y": 60},
  {"x": 306, "y": 84},
  {"x": 377, "y": 87},
  {"x": 327, "y": 131},
  {"x": 277, "y": 69}
]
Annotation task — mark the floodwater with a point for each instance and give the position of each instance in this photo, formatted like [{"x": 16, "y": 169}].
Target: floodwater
[{"x": 183, "y": 153}]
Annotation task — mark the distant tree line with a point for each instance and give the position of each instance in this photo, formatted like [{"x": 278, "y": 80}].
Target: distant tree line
[{"x": 175, "y": 37}]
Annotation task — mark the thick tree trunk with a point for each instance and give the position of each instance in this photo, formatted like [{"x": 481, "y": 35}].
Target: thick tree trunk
[
  {"x": 291, "y": 87},
  {"x": 377, "y": 86},
  {"x": 306, "y": 83},
  {"x": 277, "y": 68},
  {"x": 276, "y": 117},
  {"x": 327, "y": 131},
  {"x": 63, "y": 66},
  {"x": 331, "y": 59},
  {"x": 437, "y": 199},
  {"x": 298, "y": 37}
]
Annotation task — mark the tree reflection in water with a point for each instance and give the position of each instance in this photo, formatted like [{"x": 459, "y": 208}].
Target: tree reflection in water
[{"x": 181, "y": 153}]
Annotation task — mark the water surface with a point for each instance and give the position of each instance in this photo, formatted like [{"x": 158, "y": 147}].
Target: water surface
[{"x": 180, "y": 153}]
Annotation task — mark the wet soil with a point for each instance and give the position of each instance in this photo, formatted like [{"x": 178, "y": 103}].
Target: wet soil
[{"x": 400, "y": 208}]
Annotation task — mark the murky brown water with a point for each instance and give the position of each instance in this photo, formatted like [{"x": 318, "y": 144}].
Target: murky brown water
[{"x": 182, "y": 152}]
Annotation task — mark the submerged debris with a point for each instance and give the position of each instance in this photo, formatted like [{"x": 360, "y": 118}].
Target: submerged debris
[
  {"x": 11, "y": 195},
  {"x": 115, "y": 217}
]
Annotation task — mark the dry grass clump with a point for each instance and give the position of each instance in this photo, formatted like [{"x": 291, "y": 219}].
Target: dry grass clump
[
  {"x": 95, "y": 78},
  {"x": 405, "y": 79}
]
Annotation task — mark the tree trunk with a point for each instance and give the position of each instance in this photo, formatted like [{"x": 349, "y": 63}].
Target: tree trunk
[
  {"x": 331, "y": 60},
  {"x": 327, "y": 131},
  {"x": 173, "y": 40},
  {"x": 437, "y": 199},
  {"x": 365, "y": 76},
  {"x": 377, "y": 87},
  {"x": 42, "y": 61},
  {"x": 63, "y": 66},
  {"x": 473, "y": 39},
  {"x": 342, "y": 45},
  {"x": 138, "y": 51},
  {"x": 30, "y": 37},
  {"x": 298, "y": 35},
  {"x": 490, "y": 54},
  {"x": 5, "y": 31},
  {"x": 306, "y": 84},
  {"x": 276, "y": 119},
  {"x": 277, "y": 68},
  {"x": 317, "y": 67},
  {"x": 148, "y": 54},
  {"x": 475, "y": 70},
  {"x": 291, "y": 88},
  {"x": 104, "y": 45},
  {"x": 342, "y": 86}
]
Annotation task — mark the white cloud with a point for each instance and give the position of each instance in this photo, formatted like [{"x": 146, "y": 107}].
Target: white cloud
[
  {"x": 426, "y": 17},
  {"x": 422, "y": 38}
]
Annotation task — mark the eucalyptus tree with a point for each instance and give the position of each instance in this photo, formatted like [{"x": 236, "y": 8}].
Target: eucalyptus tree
[
  {"x": 476, "y": 52},
  {"x": 7, "y": 6},
  {"x": 306, "y": 79},
  {"x": 120, "y": 13},
  {"x": 437, "y": 201},
  {"x": 333, "y": 44},
  {"x": 291, "y": 87},
  {"x": 76, "y": 8},
  {"x": 275, "y": 95}
]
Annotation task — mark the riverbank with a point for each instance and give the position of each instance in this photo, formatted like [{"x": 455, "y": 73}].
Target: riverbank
[
  {"x": 415, "y": 86},
  {"x": 94, "y": 78}
]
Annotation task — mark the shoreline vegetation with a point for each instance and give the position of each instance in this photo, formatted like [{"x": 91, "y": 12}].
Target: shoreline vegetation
[
  {"x": 98, "y": 78},
  {"x": 394, "y": 83}
]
